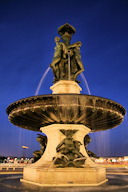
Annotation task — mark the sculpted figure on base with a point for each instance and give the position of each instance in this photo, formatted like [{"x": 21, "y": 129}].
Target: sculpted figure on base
[
  {"x": 87, "y": 140},
  {"x": 42, "y": 139},
  {"x": 66, "y": 53},
  {"x": 68, "y": 151}
]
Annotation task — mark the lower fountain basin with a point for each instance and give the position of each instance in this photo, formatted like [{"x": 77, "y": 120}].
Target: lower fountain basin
[{"x": 96, "y": 113}]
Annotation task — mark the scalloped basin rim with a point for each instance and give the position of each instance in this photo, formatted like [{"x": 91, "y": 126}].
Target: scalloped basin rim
[
  {"x": 97, "y": 113},
  {"x": 40, "y": 96}
]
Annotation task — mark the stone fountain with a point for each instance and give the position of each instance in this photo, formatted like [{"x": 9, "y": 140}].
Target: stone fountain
[{"x": 66, "y": 117}]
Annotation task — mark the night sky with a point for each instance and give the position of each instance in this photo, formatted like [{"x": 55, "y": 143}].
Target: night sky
[{"x": 27, "y": 32}]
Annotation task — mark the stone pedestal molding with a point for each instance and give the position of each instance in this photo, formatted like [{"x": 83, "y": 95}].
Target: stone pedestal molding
[{"x": 65, "y": 86}]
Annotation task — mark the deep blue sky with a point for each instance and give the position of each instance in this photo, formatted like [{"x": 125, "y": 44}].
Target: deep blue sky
[{"x": 27, "y": 31}]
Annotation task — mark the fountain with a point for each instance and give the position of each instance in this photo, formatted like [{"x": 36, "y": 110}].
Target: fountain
[{"x": 66, "y": 117}]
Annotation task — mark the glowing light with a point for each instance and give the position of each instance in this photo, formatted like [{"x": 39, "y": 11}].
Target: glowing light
[{"x": 25, "y": 147}]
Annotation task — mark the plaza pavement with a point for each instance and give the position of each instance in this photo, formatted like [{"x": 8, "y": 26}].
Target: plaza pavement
[{"x": 117, "y": 182}]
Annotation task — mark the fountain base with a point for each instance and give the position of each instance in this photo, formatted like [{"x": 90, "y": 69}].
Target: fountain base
[
  {"x": 48, "y": 172},
  {"x": 90, "y": 176}
]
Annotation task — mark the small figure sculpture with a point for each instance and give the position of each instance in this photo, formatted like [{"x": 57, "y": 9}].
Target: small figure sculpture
[
  {"x": 64, "y": 52},
  {"x": 87, "y": 140},
  {"x": 43, "y": 142},
  {"x": 68, "y": 150}
]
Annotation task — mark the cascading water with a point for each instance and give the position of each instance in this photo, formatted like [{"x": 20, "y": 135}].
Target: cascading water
[
  {"x": 85, "y": 81},
  {"x": 69, "y": 67},
  {"x": 41, "y": 80}
]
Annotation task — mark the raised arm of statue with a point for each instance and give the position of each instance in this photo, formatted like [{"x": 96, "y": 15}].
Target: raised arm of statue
[{"x": 77, "y": 44}]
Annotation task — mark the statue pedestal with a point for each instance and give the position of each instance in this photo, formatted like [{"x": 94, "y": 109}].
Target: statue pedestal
[
  {"x": 44, "y": 171},
  {"x": 65, "y": 86}
]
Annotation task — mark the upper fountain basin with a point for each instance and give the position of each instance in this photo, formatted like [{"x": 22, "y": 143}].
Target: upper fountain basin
[{"x": 96, "y": 113}]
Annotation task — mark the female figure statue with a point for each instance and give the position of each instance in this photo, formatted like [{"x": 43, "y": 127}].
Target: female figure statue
[{"x": 65, "y": 51}]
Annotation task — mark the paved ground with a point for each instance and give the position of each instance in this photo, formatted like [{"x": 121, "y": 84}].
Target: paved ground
[
  {"x": 118, "y": 182},
  {"x": 120, "y": 171}
]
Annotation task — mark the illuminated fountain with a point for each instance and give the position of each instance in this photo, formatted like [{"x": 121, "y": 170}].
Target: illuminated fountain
[{"x": 66, "y": 117}]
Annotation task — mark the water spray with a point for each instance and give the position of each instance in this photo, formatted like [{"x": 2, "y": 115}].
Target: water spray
[{"x": 69, "y": 65}]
